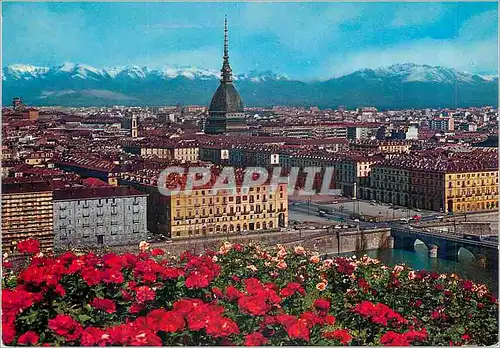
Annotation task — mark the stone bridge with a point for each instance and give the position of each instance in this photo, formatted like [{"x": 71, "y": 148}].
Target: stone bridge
[
  {"x": 336, "y": 242},
  {"x": 446, "y": 246}
]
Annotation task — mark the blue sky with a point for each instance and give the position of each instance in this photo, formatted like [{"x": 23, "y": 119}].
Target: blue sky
[{"x": 301, "y": 40}]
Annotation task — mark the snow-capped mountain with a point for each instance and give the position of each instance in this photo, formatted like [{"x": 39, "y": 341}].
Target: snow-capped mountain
[
  {"x": 410, "y": 72},
  {"x": 397, "y": 86},
  {"x": 21, "y": 71},
  {"x": 83, "y": 71}
]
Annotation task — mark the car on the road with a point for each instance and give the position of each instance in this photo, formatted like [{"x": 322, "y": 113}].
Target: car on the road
[
  {"x": 337, "y": 227},
  {"x": 372, "y": 203},
  {"x": 356, "y": 220}
]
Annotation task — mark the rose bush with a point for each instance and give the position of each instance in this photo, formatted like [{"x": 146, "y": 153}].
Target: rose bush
[{"x": 239, "y": 295}]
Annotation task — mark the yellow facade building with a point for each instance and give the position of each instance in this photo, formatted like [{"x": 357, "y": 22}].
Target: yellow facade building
[
  {"x": 471, "y": 191},
  {"x": 186, "y": 154},
  {"x": 199, "y": 213},
  {"x": 460, "y": 183}
]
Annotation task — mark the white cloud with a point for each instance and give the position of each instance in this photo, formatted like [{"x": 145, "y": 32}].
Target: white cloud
[
  {"x": 474, "y": 50},
  {"x": 472, "y": 57},
  {"x": 417, "y": 14},
  {"x": 483, "y": 25}
]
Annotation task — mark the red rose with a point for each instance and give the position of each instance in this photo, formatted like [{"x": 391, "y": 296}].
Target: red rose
[
  {"x": 93, "y": 336},
  {"x": 66, "y": 326},
  {"x": 185, "y": 306},
  {"x": 157, "y": 252},
  {"x": 28, "y": 246},
  {"x": 105, "y": 304},
  {"x": 253, "y": 286},
  {"x": 322, "y": 304},
  {"x": 92, "y": 276},
  {"x": 162, "y": 320},
  {"x": 221, "y": 327},
  {"x": 286, "y": 320},
  {"x": 412, "y": 335},
  {"x": 435, "y": 315},
  {"x": 217, "y": 292},
  {"x": 7, "y": 265},
  {"x": 286, "y": 292},
  {"x": 238, "y": 247},
  {"x": 135, "y": 308},
  {"x": 144, "y": 294},
  {"x": 392, "y": 338},
  {"x": 467, "y": 285},
  {"x": 60, "y": 290},
  {"x": 112, "y": 276},
  {"x": 311, "y": 319},
  {"x": 126, "y": 296},
  {"x": 196, "y": 281},
  {"x": 198, "y": 318},
  {"x": 298, "y": 330},
  {"x": 232, "y": 293},
  {"x": 29, "y": 338},
  {"x": 8, "y": 332},
  {"x": 255, "y": 305},
  {"x": 255, "y": 339},
  {"x": 330, "y": 320},
  {"x": 341, "y": 335},
  {"x": 465, "y": 337}
]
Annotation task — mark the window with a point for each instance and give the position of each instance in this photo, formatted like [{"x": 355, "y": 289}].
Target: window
[{"x": 100, "y": 239}]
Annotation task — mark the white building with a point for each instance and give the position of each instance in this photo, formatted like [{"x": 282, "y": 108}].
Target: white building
[{"x": 412, "y": 133}]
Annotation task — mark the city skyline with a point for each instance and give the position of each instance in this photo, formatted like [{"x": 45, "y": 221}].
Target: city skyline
[{"x": 344, "y": 37}]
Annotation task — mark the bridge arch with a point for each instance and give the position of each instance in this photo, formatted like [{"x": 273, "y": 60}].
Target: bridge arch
[
  {"x": 464, "y": 253},
  {"x": 419, "y": 241}
]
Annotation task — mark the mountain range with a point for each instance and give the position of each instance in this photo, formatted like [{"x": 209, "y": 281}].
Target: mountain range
[{"x": 396, "y": 87}]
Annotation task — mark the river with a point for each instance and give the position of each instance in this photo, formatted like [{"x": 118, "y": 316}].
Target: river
[{"x": 466, "y": 266}]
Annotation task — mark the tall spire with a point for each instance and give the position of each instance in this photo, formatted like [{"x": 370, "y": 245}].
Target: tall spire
[
  {"x": 226, "y": 68},
  {"x": 226, "y": 53}
]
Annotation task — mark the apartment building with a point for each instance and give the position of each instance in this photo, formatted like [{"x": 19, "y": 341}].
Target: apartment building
[
  {"x": 199, "y": 213},
  {"x": 458, "y": 183},
  {"x": 100, "y": 216},
  {"x": 27, "y": 212}
]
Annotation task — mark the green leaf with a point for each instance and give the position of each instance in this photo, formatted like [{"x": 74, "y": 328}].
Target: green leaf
[{"x": 83, "y": 318}]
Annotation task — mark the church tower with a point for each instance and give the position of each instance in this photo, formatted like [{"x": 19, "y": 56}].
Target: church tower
[
  {"x": 226, "y": 108},
  {"x": 134, "y": 126}
]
